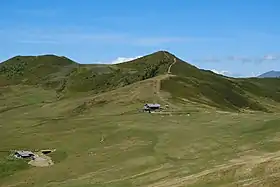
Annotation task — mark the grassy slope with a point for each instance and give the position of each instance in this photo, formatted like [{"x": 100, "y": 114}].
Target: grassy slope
[
  {"x": 207, "y": 148},
  {"x": 215, "y": 90},
  {"x": 139, "y": 149}
]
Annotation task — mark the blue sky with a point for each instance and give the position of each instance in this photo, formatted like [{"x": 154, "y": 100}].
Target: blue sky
[{"x": 235, "y": 37}]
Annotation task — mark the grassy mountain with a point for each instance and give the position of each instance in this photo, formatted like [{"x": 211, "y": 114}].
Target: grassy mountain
[
  {"x": 270, "y": 74},
  {"x": 64, "y": 75},
  {"x": 33, "y": 70},
  {"x": 101, "y": 139},
  {"x": 188, "y": 83}
]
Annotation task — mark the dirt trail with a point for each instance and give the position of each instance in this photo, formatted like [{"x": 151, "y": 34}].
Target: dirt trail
[
  {"x": 242, "y": 166},
  {"x": 160, "y": 78},
  {"x": 174, "y": 61},
  {"x": 169, "y": 68},
  {"x": 139, "y": 174},
  {"x": 158, "y": 92}
]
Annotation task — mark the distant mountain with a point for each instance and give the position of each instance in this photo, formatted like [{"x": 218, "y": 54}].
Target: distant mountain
[{"x": 270, "y": 74}]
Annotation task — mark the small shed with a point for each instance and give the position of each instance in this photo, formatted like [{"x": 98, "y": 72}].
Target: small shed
[
  {"x": 149, "y": 107},
  {"x": 24, "y": 154}
]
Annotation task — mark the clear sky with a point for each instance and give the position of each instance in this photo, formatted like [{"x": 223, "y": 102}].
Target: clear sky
[{"x": 236, "y": 37}]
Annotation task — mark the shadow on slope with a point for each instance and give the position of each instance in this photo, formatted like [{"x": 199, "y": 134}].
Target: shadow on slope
[{"x": 216, "y": 90}]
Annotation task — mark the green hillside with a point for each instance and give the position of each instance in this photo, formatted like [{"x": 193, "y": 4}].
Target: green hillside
[
  {"x": 32, "y": 70},
  {"x": 68, "y": 77},
  {"x": 64, "y": 75},
  {"x": 213, "y": 130},
  {"x": 206, "y": 87}
]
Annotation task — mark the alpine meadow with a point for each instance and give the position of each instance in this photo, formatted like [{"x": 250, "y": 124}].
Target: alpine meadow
[{"x": 211, "y": 130}]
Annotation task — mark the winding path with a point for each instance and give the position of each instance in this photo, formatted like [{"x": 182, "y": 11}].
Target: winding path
[
  {"x": 174, "y": 61},
  {"x": 161, "y": 78},
  {"x": 169, "y": 68}
]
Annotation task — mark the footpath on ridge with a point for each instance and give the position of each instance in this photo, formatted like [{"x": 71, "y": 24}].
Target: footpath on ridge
[{"x": 160, "y": 78}]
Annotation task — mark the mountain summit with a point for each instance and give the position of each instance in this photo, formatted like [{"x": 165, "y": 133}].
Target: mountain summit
[{"x": 184, "y": 82}]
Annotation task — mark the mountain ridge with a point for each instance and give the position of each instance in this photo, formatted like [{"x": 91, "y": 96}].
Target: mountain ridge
[{"x": 69, "y": 78}]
